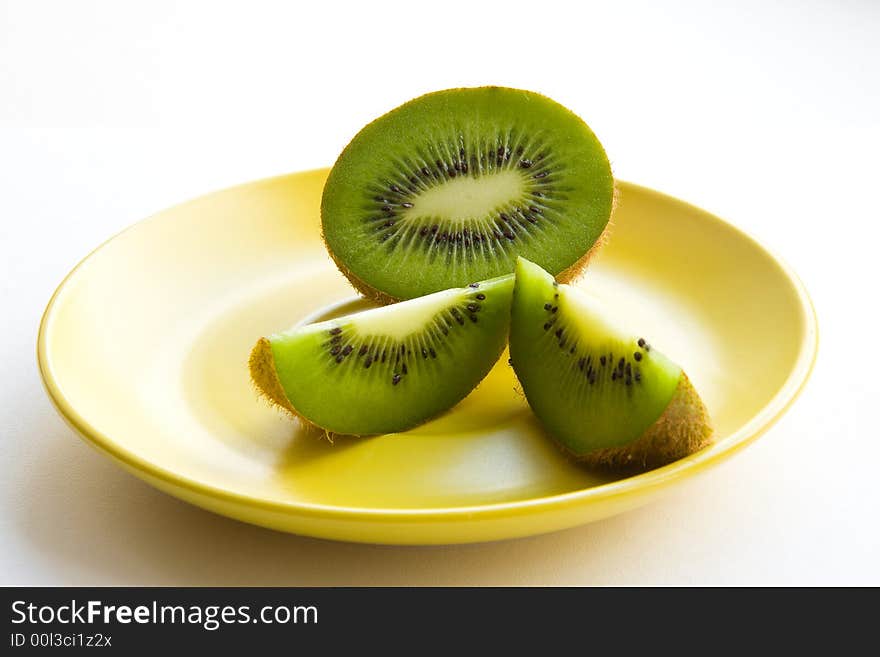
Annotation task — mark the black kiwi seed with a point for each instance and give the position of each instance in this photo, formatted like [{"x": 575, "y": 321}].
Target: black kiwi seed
[
  {"x": 542, "y": 174},
  {"x": 335, "y": 338},
  {"x": 403, "y": 350},
  {"x": 395, "y": 189},
  {"x": 473, "y": 318},
  {"x": 554, "y": 309},
  {"x": 637, "y": 376},
  {"x": 620, "y": 364},
  {"x": 547, "y": 306},
  {"x": 581, "y": 364},
  {"x": 602, "y": 360},
  {"x": 403, "y": 369},
  {"x": 614, "y": 376},
  {"x": 347, "y": 350},
  {"x": 547, "y": 325},
  {"x": 475, "y": 286},
  {"x": 395, "y": 379},
  {"x": 525, "y": 164},
  {"x": 638, "y": 355},
  {"x": 571, "y": 351},
  {"x": 340, "y": 358},
  {"x": 368, "y": 361},
  {"x": 558, "y": 333},
  {"x": 424, "y": 353},
  {"x": 335, "y": 331},
  {"x": 383, "y": 355},
  {"x": 642, "y": 342},
  {"x": 335, "y": 350},
  {"x": 432, "y": 352},
  {"x": 473, "y": 307},
  {"x": 629, "y": 369},
  {"x": 480, "y": 297}
]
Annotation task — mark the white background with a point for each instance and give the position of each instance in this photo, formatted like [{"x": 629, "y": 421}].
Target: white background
[{"x": 765, "y": 113}]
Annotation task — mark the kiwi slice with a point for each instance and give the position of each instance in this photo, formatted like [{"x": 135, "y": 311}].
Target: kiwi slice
[
  {"x": 451, "y": 187},
  {"x": 387, "y": 369},
  {"x": 601, "y": 391}
]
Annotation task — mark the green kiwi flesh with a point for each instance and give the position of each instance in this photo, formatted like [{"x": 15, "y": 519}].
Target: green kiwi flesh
[
  {"x": 387, "y": 369},
  {"x": 600, "y": 390},
  {"x": 451, "y": 187}
]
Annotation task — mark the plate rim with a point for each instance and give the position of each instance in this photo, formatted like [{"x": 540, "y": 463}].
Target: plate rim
[{"x": 625, "y": 487}]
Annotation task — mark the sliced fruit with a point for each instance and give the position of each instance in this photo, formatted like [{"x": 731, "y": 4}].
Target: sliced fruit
[
  {"x": 450, "y": 187},
  {"x": 387, "y": 369},
  {"x": 599, "y": 389}
]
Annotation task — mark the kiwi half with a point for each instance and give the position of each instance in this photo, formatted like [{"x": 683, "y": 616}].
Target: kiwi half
[
  {"x": 601, "y": 391},
  {"x": 387, "y": 369},
  {"x": 451, "y": 187}
]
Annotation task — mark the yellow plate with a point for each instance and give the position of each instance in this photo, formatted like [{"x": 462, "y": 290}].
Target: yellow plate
[{"x": 143, "y": 349}]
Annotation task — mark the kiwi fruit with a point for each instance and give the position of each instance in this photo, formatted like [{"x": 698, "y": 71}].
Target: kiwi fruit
[
  {"x": 387, "y": 369},
  {"x": 451, "y": 187},
  {"x": 601, "y": 391}
]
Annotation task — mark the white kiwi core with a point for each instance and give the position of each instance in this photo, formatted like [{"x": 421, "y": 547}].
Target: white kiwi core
[
  {"x": 467, "y": 198},
  {"x": 400, "y": 319}
]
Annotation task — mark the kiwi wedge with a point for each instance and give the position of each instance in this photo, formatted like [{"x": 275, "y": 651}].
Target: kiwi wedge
[
  {"x": 600, "y": 390},
  {"x": 387, "y": 369},
  {"x": 451, "y": 187}
]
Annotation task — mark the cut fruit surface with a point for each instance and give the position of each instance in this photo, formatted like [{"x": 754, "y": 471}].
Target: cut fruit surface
[
  {"x": 451, "y": 187},
  {"x": 599, "y": 389},
  {"x": 387, "y": 369}
]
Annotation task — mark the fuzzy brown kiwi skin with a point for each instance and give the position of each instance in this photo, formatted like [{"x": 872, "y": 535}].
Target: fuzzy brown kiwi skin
[
  {"x": 265, "y": 378},
  {"x": 565, "y": 276},
  {"x": 361, "y": 286},
  {"x": 682, "y": 429}
]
